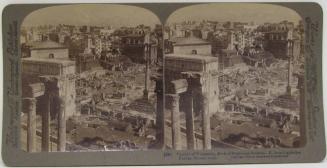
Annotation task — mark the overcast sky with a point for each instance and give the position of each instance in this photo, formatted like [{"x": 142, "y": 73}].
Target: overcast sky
[
  {"x": 92, "y": 14},
  {"x": 124, "y": 15},
  {"x": 246, "y": 12}
]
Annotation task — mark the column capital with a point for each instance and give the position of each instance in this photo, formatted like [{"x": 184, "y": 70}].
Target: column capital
[
  {"x": 177, "y": 86},
  {"x": 49, "y": 78},
  {"x": 33, "y": 90},
  {"x": 159, "y": 84},
  {"x": 32, "y": 99},
  {"x": 174, "y": 96},
  {"x": 50, "y": 82},
  {"x": 300, "y": 83},
  {"x": 196, "y": 78}
]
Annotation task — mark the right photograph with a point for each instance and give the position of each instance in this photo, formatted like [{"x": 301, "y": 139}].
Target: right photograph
[{"x": 233, "y": 77}]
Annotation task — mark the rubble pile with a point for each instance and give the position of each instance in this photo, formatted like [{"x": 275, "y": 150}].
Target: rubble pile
[
  {"x": 258, "y": 81},
  {"x": 112, "y": 133},
  {"x": 115, "y": 114},
  {"x": 256, "y": 99}
]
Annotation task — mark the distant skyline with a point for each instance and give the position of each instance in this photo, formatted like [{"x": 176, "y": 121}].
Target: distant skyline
[
  {"x": 125, "y": 15},
  {"x": 235, "y": 12},
  {"x": 92, "y": 15}
]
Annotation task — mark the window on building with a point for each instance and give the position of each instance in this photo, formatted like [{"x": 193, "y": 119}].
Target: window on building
[
  {"x": 194, "y": 52},
  {"x": 51, "y": 55},
  {"x": 182, "y": 66}
]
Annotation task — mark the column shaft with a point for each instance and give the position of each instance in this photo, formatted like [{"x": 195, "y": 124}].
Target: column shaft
[
  {"x": 189, "y": 117},
  {"x": 160, "y": 120},
  {"x": 62, "y": 126},
  {"x": 175, "y": 125},
  {"x": 31, "y": 124},
  {"x": 206, "y": 131},
  {"x": 289, "y": 75},
  {"x": 289, "y": 68},
  {"x": 147, "y": 76},
  {"x": 46, "y": 124}
]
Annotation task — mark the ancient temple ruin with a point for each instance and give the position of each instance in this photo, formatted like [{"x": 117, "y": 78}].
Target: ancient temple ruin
[
  {"x": 48, "y": 90},
  {"x": 191, "y": 86}
]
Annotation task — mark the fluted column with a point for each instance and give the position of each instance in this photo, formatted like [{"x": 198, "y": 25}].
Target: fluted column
[
  {"x": 46, "y": 124},
  {"x": 289, "y": 67},
  {"x": 189, "y": 118},
  {"x": 62, "y": 126},
  {"x": 206, "y": 132},
  {"x": 289, "y": 75},
  {"x": 31, "y": 124},
  {"x": 147, "y": 66},
  {"x": 175, "y": 122},
  {"x": 160, "y": 116}
]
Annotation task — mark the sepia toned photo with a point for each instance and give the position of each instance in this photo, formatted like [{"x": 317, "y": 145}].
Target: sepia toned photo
[
  {"x": 90, "y": 78},
  {"x": 234, "y": 77},
  {"x": 97, "y": 84},
  {"x": 214, "y": 76}
]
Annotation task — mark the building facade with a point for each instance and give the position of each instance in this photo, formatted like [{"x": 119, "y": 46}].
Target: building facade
[
  {"x": 50, "y": 66},
  {"x": 206, "y": 70},
  {"x": 191, "y": 45}
]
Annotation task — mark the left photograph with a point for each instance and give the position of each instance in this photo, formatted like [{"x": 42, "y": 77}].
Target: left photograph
[{"x": 91, "y": 78}]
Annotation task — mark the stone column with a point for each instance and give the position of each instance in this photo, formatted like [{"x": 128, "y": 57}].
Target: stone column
[
  {"x": 288, "y": 87},
  {"x": 46, "y": 124},
  {"x": 147, "y": 57},
  {"x": 289, "y": 67},
  {"x": 189, "y": 118},
  {"x": 61, "y": 146},
  {"x": 146, "y": 80},
  {"x": 31, "y": 124},
  {"x": 175, "y": 122},
  {"x": 206, "y": 131},
  {"x": 160, "y": 116}
]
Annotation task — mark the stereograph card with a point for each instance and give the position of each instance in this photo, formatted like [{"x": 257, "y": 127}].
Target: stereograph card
[{"x": 162, "y": 83}]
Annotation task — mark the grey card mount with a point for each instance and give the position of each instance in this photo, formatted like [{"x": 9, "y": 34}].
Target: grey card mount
[{"x": 193, "y": 83}]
